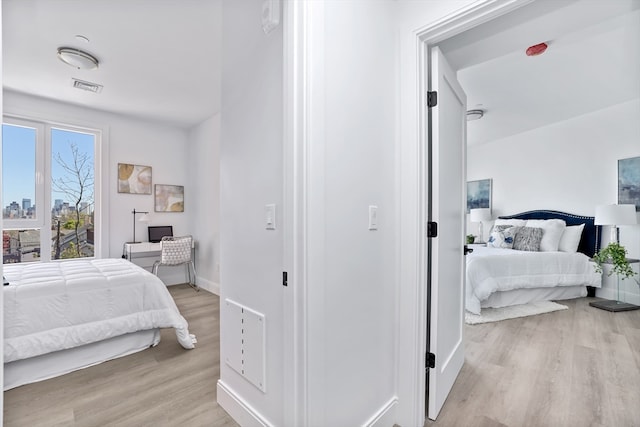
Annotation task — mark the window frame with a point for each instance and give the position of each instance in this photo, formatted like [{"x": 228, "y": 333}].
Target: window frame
[{"x": 43, "y": 220}]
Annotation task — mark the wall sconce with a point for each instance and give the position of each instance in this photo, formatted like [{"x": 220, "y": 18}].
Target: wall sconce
[{"x": 143, "y": 218}]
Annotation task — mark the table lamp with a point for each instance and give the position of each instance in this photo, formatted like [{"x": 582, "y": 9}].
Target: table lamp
[
  {"x": 615, "y": 215},
  {"x": 143, "y": 218},
  {"x": 479, "y": 215}
]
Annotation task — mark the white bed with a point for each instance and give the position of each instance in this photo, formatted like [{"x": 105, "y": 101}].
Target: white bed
[
  {"x": 64, "y": 316},
  {"x": 502, "y": 277},
  {"x": 559, "y": 268}
]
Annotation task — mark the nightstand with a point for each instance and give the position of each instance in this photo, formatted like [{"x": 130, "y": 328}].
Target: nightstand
[{"x": 617, "y": 305}]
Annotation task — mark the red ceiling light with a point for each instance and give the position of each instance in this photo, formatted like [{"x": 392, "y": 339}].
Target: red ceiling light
[{"x": 537, "y": 49}]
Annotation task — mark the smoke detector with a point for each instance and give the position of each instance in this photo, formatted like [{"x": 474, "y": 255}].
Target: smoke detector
[{"x": 474, "y": 115}]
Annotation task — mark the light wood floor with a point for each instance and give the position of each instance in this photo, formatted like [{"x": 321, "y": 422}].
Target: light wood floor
[
  {"x": 577, "y": 367},
  {"x": 161, "y": 386}
]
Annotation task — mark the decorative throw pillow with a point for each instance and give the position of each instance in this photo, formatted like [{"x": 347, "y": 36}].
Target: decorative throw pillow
[
  {"x": 502, "y": 238},
  {"x": 500, "y": 227},
  {"x": 528, "y": 239},
  {"x": 552, "y": 230},
  {"x": 571, "y": 238}
]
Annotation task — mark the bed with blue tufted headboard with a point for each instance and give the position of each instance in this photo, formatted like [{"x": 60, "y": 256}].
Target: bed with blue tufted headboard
[
  {"x": 498, "y": 276},
  {"x": 590, "y": 241}
]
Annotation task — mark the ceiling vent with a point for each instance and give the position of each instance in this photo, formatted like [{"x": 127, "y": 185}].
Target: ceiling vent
[{"x": 88, "y": 86}]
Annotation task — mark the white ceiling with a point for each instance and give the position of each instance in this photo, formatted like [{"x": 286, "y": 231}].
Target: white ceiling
[
  {"x": 593, "y": 62},
  {"x": 158, "y": 59},
  {"x": 161, "y": 59}
]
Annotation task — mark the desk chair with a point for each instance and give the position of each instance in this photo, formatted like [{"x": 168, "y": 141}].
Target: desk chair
[{"x": 177, "y": 251}]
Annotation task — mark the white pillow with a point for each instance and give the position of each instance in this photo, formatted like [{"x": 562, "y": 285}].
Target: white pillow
[
  {"x": 571, "y": 238},
  {"x": 515, "y": 222},
  {"x": 552, "y": 232}
]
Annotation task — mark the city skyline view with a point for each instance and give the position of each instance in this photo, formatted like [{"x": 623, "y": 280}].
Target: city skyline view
[{"x": 19, "y": 152}]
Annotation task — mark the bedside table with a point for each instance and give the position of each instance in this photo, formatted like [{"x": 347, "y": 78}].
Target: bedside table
[{"x": 616, "y": 305}]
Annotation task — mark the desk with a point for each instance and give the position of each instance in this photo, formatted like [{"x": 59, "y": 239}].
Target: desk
[{"x": 149, "y": 250}]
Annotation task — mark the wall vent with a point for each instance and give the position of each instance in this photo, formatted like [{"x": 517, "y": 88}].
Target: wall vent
[
  {"x": 245, "y": 342},
  {"x": 88, "y": 86}
]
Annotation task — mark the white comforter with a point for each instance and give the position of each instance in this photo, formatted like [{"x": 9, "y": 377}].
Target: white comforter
[
  {"x": 492, "y": 269},
  {"x": 59, "y": 305}
]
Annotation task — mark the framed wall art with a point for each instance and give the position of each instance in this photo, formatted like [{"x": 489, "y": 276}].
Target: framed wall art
[
  {"x": 629, "y": 182},
  {"x": 169, "y": 198},
  {"x": 134, "y": 179},
  {"x": 478, "y": 194}
]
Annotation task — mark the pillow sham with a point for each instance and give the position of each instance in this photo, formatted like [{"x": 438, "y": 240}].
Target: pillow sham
[
  {"x": 570, "y": 239},
  {"x": 517, "y": 222},
  {"x": 503, "y": 238},
  {"x": 552, "y": 230},
  {"x": 528, "y": 239}
]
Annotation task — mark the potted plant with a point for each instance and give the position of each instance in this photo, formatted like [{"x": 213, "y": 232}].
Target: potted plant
[
  {"x": 470, "y": 239},
  {"x": 615, "y": 255}
]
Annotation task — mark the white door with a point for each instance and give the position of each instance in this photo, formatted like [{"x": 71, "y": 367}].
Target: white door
[{"x": 448, "y": 208}]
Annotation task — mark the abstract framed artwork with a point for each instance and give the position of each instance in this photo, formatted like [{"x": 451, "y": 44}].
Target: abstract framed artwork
[
  {"x": 629, "y": 182},
  {"x": 478, "y": 194},
  {"x": 169, "y": 198},
  {"x": 134, "y": 179}
]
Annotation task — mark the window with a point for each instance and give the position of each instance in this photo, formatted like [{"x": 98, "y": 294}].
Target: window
[{"x": 48, "y": 191}]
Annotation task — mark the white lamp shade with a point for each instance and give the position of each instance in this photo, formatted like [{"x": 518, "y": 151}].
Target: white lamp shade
[
  {"x": 144, "y": 218},
  {"x": 478, "y": 215},
  {"x": 615, "y": 215}
]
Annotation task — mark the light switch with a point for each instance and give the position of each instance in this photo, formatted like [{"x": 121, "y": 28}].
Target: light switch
[
  {"x": 270, "y": 217},
  {"x": 373, "y": 217}
]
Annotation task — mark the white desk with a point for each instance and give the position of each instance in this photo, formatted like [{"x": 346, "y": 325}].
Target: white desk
[{"x": 131, "y": 251}]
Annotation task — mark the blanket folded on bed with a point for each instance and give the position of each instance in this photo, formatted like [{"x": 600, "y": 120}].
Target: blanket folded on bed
[
  {"x": 60, "y": 305},
  {"x": 491, "y": 270}
]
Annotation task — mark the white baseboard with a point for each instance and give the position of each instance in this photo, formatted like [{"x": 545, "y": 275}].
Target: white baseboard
[
  {"x": 204, "y": 284},
  {"x": 385, "y": 416},
  {"x": 240, "y": 411},
  {"x": 208, "y": 285}
]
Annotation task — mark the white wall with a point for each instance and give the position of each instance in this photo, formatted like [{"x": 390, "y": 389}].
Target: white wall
[
  {"x": 352, "y": 270},
  {"x": 350, "y": 306},
  {"x": 251, "y": 257},
  {"x": 126, "y": 140},
  {"x": 569, "y": 166},
  {"x": 204, "y": 183}
]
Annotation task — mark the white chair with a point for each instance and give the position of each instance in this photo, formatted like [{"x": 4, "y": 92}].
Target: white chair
[{"x": 177, "y": 251}]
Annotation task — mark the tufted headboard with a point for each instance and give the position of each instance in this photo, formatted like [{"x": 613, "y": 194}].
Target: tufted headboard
[{"x": 590, "y": 241}]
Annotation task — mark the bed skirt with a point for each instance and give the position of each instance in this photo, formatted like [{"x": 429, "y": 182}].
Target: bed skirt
[
  {"x": 34, "y": 369},
  {"x": 525, "y": 296}
]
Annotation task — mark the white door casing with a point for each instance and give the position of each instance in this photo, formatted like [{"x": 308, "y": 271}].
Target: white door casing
[{"x": 448, "y": 153}]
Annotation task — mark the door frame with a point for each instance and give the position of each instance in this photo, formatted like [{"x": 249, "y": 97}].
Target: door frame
[{"x": 413, "y": 199}]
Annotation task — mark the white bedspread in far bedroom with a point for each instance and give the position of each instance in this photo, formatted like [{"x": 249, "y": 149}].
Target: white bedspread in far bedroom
[
  {"x": 59, "y": 305},
  {"x": 491, "y": 270}
]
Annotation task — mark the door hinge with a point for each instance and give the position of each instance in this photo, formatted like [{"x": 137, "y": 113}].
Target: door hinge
[
  {"x": 432, "y": 229},
  {"x": 430, "y": 361},
  {"x": 432, "y": 99},
  {"x": 285, "y": 280}
]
